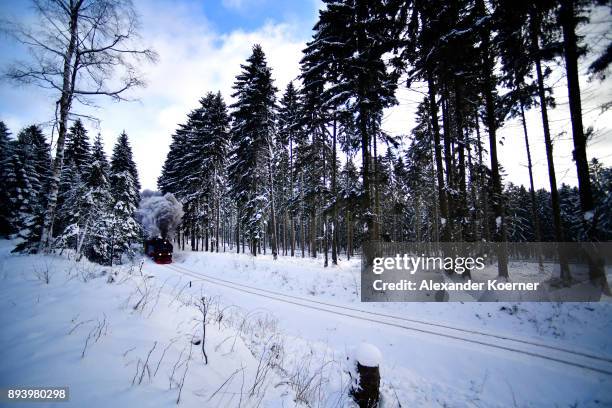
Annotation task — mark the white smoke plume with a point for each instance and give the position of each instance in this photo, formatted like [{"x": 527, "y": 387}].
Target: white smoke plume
[{"x": 159, "y": 215}]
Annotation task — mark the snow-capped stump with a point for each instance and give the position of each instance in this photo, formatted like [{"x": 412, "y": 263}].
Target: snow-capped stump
[{"x": 364, "y": 369}]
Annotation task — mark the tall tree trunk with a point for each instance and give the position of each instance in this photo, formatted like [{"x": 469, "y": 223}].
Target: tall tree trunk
[
  {"x": 313, "y": 233},
  {"x": 484, "y": 194},
  {"x": 285, "y": 222},
  {"x": 565, "y": 274},
  {"x": 349, "y": 235},
  {"x": 461, "y": 146},
  {"x": 376, "y": 186},
  {"x": 218, "y": 222},
  {"x": 64, "y": 103},
  {"x": 193, "y": 239},
  {"x": 568, "y": 22},
  {"x": 291, "y": 187},
  {"x": 435, "y": 233},
  {"x": 534, "y": 211},
  {"x": 589, "y": 220},
  {"x": 325, "y": 243},
  {"x": 302, "y": 216},
  {"x": 498, "y": 205},
  {"x": 442, "y": 198},
  {"x": 365, "y": 170},
  {"x": 536, "y": 222},
  {"x": 238, "y": 231},
  {"x": 334, "y": 181}
]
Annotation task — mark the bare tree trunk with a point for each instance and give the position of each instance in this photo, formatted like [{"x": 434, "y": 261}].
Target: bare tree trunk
[
  {"x": 302, "y": 218},
  {"x": 291, "y": 187},
  {"x": 589, "y": 220},
  {"x": 376, "y": 191},
  {"x": 461, "y": 146},
  {"x": 325, "y": 242},
  {"x": 64, "y": 103},
  {"x": 292, "y": 224},
  {"x": 433, "y": 112},
  {"x": 534, "y": 212},
  {"x": 238, "y": 231},
  {"x": 448, "y": 161},
  {"x": 334, "y": 180},
  {"x": 273, "y": 240},
  {"x": 313, "y": 234},
  {"x": 365, "y": 169},
  {"x": 498, "y": 207},
  {"x": 217, "y": 215},
  {"x": 285, "y": 219},
  {"x": 484, "y": 195},
  {"x": 565, "y": 274}
]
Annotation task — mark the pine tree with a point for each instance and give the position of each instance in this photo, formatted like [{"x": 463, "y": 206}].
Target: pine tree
[
  {"x": 173, "y": 175},
  {"x": 252, "y": 133},
  {"x": 288, "y": 131},
  {"x": 87, "y": 202},
  {"x": 350, "y": 189},
  {"x": 348, "y": 45},
  {"x": 527, "y": 39},
  {"x": 31, "y": 163},
  {"x": 217, "y": 149},
  {"x": 124, "y": 229},
  {"x": 78, "y": 150},
  {"x": 493, "y": 123},
  {"x": 97, "y": 248},
  {"x": 70, "y": 218},
  {"x": 7, "y": 226}
]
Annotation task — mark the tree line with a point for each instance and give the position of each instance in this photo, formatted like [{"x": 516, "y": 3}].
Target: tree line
[
  {"x": 315, "y": 172},
  {"x": 97, "y": 199}
]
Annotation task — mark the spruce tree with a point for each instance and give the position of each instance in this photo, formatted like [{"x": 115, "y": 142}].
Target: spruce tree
[
  {"x": 97, "y": 248},
  {"x": 348, "y": 45},
  {"x": 288, "y": 131},
  {"x": 70, "y": 217},
  {"x": 7, "y": 226},
  {"x": 252, "y": 133},
  {"x": 124, "y": 230},
  {"x": 78, "y": 150},
  {"x": 31, "y": 161}
]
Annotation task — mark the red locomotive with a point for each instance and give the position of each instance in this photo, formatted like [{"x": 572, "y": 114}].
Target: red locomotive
[{"x": 159, "y": 249}]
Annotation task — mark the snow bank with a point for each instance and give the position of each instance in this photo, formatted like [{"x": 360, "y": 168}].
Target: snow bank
[{"x": 133, "y": 342}]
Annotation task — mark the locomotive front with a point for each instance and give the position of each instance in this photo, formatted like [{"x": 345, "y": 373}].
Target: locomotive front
[{"x": 159, "y": 249}]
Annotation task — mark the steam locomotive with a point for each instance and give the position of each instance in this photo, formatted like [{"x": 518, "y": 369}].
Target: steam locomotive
[{"x": 159, "y": 249}]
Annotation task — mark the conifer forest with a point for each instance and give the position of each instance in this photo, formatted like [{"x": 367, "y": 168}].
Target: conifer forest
[
  {"x": 306, "y": 203},
  {"x": 307, "y": 170}
]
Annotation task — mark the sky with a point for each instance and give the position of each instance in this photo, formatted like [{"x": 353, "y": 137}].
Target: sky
[{"x": 201, "y": 45}]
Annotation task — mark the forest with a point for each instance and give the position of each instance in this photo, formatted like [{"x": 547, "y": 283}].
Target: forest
[{"x": 308, "y": 170}]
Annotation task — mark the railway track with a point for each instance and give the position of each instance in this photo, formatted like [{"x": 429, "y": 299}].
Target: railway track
[{"x": 575, "y": 358}]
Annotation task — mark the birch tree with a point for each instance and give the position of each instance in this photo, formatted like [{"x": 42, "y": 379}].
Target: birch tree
[{"x": 80, "y": 49}]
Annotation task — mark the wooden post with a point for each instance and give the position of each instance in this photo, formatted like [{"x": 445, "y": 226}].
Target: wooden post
[{"x": 366, "y": 392}]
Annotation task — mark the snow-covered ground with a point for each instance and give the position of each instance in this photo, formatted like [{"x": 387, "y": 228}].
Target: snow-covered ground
[{"x": 125, "y": 337}]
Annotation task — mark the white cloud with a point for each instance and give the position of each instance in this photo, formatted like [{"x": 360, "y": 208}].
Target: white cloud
[
  {"x": 241, "y": 5},
  {"x": 193, "y": 61},
  {"x": 191, "y": 65}
]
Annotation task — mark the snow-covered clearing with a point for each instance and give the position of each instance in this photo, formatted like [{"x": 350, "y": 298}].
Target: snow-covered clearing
[{"x": 95, "y": 336}]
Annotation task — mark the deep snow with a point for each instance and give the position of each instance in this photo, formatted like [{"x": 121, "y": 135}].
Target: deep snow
[{"x": 94, "y": 333}]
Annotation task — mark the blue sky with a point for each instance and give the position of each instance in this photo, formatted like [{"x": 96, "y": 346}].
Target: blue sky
[
  {"x": 201, "y": 45},
  {"x": 229, "y": 15}
]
